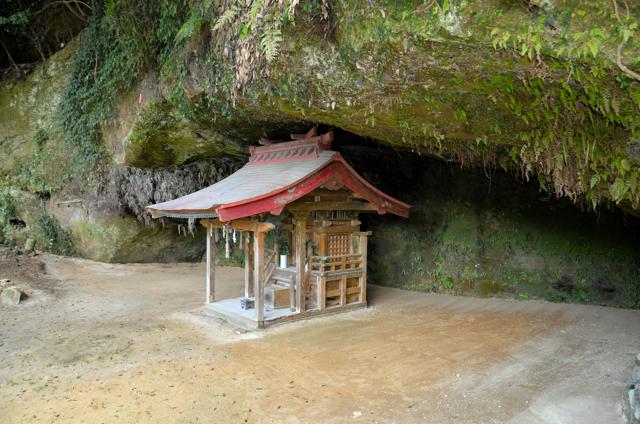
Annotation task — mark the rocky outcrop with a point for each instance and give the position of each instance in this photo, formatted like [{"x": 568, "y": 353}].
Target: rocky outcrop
[
  {"x": 99, "y": 218},
  {"x": 530, "y": 87},
  {"x": 481, "y": 232},
  {"x": 117, "y": 120}
]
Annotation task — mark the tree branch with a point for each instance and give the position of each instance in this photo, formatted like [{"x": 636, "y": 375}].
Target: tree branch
[
  {"x": 13, "y": 63},
  {"x": 623, "y": 67}
]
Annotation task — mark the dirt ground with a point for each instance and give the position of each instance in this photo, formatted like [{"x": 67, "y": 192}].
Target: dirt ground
[{"x": 102, "y": 343}]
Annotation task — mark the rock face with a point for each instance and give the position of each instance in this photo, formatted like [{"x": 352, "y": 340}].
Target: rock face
[
  {"x": 97, "y": 219},
  {"x": 535, "y": 89},
  {"x": 11, "y": 296},
  {"x": 483, "y": 233},
  {"x": 460, "y": 82}
]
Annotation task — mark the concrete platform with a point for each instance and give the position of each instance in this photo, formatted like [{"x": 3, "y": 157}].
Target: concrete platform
[{"x": 230, "y": 310}]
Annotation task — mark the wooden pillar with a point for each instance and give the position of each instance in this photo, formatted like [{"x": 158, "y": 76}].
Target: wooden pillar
[
  {"x": 322, "y": 244},
  {"x": 225, "y": 230},
  {"x": 322, "y": 292},
  {"x": 258, "y": 272},
  {"x": 300, "y": 237},
  {"x": 211, "y": 266},
  {"x": 291, "y": 255},
  {"x": 343, "y": 290},
  {"x": 248, "y": 266},
  {"x": 363, "y": 252}
]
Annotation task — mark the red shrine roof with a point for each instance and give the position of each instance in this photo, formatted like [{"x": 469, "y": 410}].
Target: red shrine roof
[{"x": 276, "y": 175}]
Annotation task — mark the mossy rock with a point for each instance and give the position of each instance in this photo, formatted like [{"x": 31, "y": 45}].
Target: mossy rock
[
  {"x": 159, "y": 138},
  {"x": 124, "y": 239},
  {"x": 486, "y": 234}
]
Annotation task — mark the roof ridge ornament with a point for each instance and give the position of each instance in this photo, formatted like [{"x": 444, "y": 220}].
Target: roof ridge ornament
[
  {"x": 297, "y": 149},
  {"x": 313, "y": 132}
]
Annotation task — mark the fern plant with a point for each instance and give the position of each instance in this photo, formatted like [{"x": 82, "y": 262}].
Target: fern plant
[{"x": 249, "y": 33}]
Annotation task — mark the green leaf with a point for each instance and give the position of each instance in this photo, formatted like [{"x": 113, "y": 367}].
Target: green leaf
[
  {"x": 593, "y": 47},
  {"x": 226, "y": 18},
  {"x": 624, "y": 164}
]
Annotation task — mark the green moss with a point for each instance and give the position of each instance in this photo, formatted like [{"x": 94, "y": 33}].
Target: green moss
[
  {"x": 7, "y": 212},
  {"x": 428, "y": 78},
  {"x": 112, "y": 56},
  {"x": 50, "y": 236},
  {"x": 124, "y": 239},
  {"x": 162, "y": 244},
  {"x": 102, "y": 239},
  {"x": 28, "y": 107},
  {"x": 160, "y": 138}
]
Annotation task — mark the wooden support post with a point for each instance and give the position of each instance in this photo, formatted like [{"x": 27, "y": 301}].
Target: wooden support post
[
  {"x": 211, "y": 266},
  {"x": 322, "y": 292},
  {"x": 226, "y": 241},
  {"x": 343, "y": 290},
  {"x": 292, "y": 296},
  {"x": 291, "y": 256},
  {"x": 363, "y": 279},
  {"x": 300, "y": 236},
  {"x": 248, "y": 268},
  {"x": 258, "y": 273},
  {"x": 322, "y": 244}
]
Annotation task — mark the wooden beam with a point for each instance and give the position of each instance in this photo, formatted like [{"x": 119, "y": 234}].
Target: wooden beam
[
  {"x": 300, "y": 236},
  {"x": 239, "y": 224},
  {"x": 211, "y": 266},
  {"x": 332, "y": 206},
  {"x": 336, "y": 229},
  {"x": 258, "y": 273}
]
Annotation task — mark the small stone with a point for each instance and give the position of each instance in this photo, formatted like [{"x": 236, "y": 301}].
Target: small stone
[
  {"x": 4, "y": 283},
  {"x": 29, "y": 245},
  {"x": 11, "y": 295}
]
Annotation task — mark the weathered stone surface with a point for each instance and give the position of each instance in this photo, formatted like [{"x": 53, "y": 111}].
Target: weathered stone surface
[
  {"x": 29, "y": 245},
  {"x": 431, "y": 81},
  {"x": 487, "y": 234},
  {"x": 11, "y": 296},
  {"x": 4, "y": 283},
  {"x": 634, "y": 395}
]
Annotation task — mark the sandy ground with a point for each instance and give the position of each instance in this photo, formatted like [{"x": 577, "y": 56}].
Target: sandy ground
[{"x": 100, "y": 343}]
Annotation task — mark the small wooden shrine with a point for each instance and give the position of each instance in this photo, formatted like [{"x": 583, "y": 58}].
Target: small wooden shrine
[{"x": 319, "y": 198}]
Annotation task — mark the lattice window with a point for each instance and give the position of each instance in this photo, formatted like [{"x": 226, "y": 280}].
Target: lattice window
[{"x": 339, "y": 244}]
